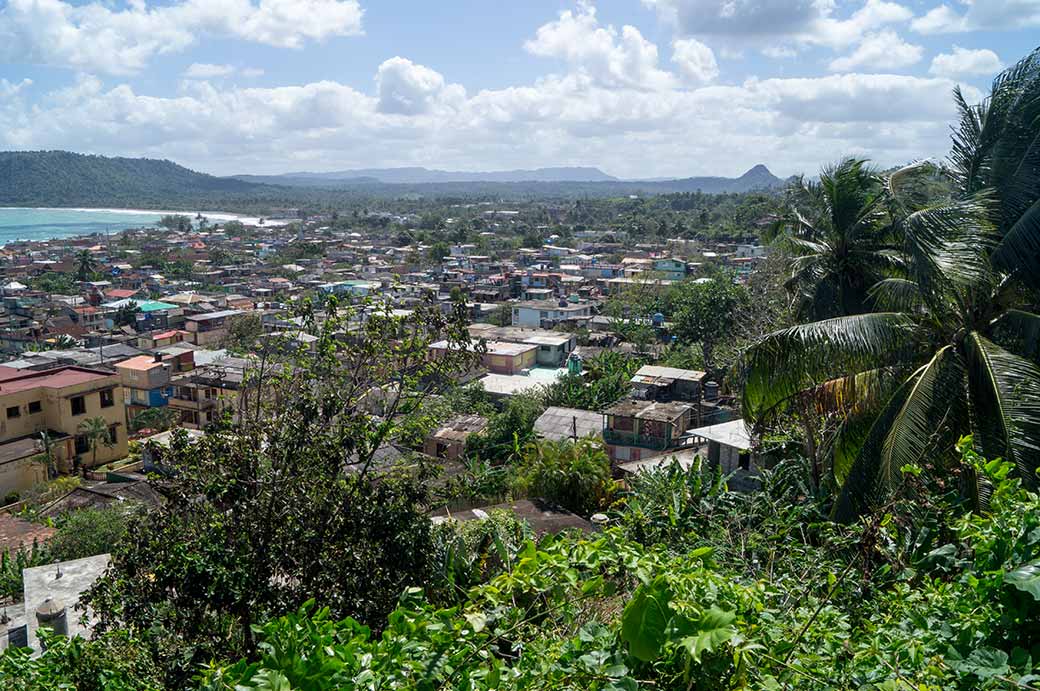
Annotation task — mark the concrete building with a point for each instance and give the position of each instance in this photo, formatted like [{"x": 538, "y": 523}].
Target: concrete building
[
  {"x": 547, "y": 313},
  {"x": 449, "y": 441},
  {"x": 499, "y": 358},
  {"x": 635, "y": 429},
  {"x": 146, "y": 383},
  {"x": 210, "y": 328},
  {"x": 51, "y": 405},
  {"x": 558, "y": 423}
]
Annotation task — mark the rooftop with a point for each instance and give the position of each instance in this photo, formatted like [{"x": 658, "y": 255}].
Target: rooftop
[
  {"x": 222, "y": 314},
  {"x": 567, "y": 423},
  {"x": 50, "y": 379},
  {"x": 649, "y": 410}
]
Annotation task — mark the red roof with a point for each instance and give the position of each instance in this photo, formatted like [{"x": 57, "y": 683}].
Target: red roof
[
  {"x": 51, "y": 379},
  {"x": 167, "y": 334},
  {"x": 121, "y": 293}
]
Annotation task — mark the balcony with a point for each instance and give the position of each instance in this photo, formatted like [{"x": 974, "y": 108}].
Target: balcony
[
  {"x": 192, "y": 402},
  {"x": 619, "y": 438}
]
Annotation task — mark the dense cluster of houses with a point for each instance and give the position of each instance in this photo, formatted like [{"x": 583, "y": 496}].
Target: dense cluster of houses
[{"x": 135, "y": 336}]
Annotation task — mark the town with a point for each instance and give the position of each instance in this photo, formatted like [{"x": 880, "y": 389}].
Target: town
[{"x": 352, "y": 345}]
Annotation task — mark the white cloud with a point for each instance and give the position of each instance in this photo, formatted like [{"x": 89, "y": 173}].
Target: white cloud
[
  {"x": 205, "y": 70},
  {"x": 696, "y": 61},
  {"x": 414, "y": 117},
  {"x": 779, "y": 52},
  {"x": 94, "y": 37},
  {"x": 980, "y": 15},
  {"x": 405, "y": 88},
  {"x": 965, "y": 62},
  {"x": 878, "y": 52},
  {"x": 612, "y": 59},
  {"x": 807, "y": 22},
  {"x": 252, "y": 72}
]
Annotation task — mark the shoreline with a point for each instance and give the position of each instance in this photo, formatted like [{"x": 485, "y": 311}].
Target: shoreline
[{"x": 216, "y": 215}]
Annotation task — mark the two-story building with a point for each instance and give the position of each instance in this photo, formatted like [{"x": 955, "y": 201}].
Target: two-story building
[
  {"x": 547, "y": 313},
  {"x": 209, "y": 328},
  {"x": 146, "y": 383},
  {"x": 634, "y": 429},
  {"x": 41, "y": 413}
]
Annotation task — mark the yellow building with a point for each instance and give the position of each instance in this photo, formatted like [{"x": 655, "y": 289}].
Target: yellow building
[{"x": 41, "y": 410}]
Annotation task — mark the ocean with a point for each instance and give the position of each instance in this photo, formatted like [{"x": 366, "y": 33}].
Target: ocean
[{"x": 50, "y": 224}]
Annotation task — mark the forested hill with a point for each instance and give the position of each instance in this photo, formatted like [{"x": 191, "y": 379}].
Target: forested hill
[
  {"x": 66, "y": 179},
  {"x": 62, "y": 178}
]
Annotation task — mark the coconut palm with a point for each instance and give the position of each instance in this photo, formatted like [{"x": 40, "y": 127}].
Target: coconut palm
[
  {"x": 837, "y": 231},
  {"x": 954, "y": 349},
  {"x": 95, "y": 429},
  {"x": 86, "y": 265}
]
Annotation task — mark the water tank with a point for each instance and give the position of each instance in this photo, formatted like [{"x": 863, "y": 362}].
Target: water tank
[
  {"x": 52, "y": 615},
  {"x": 658, "y": 319},
  {"x": 574, "y": 364},
  {"x": 711, "y": 391},
  {"x": 562, "y": 302}
]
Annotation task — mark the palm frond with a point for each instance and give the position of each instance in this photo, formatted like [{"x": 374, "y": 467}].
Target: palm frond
[
  {"x": 793, "y": 360},
  {"x": 897, "y": 295},
  {"x": 1005, "y": 405},
  {"x": 1019, "y": 249},
  {"x": 923, "y": 416},
  {"x": 948, "y": 244},
  {"x": 1019, "y": 332}
]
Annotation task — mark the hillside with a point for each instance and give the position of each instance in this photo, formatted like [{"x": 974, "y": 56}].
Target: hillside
[
  {"x": 420, "y": 176},
  {"x": 65, "y": 179},
  {"x": 62, "y": 178},
  {"x": 544, "y": 182}
]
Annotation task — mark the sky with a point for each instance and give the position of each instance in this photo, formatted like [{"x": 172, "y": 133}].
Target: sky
[{"x": 637, "y": 88}]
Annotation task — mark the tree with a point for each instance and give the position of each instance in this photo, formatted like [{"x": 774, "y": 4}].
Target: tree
[
  {"x": 955, "y": 349},
  {"x": 631, "y": 311},
  {"x": 95, "y": 429},
  {"x": 176, "y": 222},
  {"x": 159, "y": 419},
  {"x": 705, "y": 312},
  {"x": 243, "y": 332},
  {"x": 86, "y": 265},
  {"x": 838, "y": 234},
  {"x": 282, "y": 505},
  {"x": 438, "y": 251},
  {"x": 127, "y": 313},
  {"x": 574, "y": 474},
  {"x": 87, "y": 532}
]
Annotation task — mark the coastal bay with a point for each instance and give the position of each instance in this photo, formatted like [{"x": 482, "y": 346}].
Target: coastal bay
[{"x": 35, "y": 224}]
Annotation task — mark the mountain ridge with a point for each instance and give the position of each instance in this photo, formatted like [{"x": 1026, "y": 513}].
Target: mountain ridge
[{"x": 67, "y": 179}]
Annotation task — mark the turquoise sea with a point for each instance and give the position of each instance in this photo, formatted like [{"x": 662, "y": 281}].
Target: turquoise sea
[{"x": 45, "y": 224}]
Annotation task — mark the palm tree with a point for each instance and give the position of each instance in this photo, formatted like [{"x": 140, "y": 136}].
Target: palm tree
[
  {"x": 95, "y": 429},
  {"x": 838, "y": 232},
  {"x": 86, "y": 265},
  {"x": 955, "y": 349}
]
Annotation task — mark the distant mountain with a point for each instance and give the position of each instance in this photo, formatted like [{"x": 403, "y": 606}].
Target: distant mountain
[
  {"x": 542, "y": 180},
  {"x": 421, "y": 176},
  {"x": 758, "y": 178},
  {"x": 62, "y": 178}
]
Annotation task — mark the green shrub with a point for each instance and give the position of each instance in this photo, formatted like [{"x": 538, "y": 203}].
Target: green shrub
[{"x": 574, "y": 474}]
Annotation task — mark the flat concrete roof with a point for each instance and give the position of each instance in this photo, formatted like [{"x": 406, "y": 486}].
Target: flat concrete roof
[
  {"x": 565, "y": 423},
  {"x": 734, "y": 433},
  {"x": 43, "y": 582}
]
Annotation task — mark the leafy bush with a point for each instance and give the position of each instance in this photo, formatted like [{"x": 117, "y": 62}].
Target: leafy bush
[
  {"x": 87, "y": 532},
  {"x": 574, "y": 474}
]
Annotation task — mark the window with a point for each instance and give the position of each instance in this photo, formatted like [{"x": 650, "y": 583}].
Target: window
[
  {"x": 14, "y": 411},
  {"x": 107, "y": 398},
  {"x": 82, "y": 445},
  {"x": 113, "y": 434},
  {"x": 35, "y": 407},
  {"x": 79, "y": 405}
]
